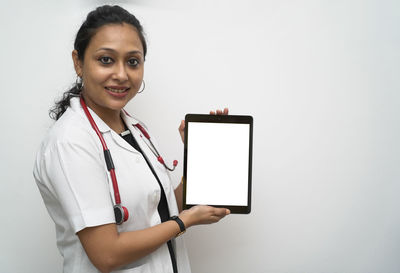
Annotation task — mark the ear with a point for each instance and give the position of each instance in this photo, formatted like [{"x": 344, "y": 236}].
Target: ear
[{"x": 77, "y": 63}]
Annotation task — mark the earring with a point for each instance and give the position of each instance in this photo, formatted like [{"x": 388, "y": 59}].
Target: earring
[
  {"x": 144, "y": 86},
  {"x": 79, "y": 83}
]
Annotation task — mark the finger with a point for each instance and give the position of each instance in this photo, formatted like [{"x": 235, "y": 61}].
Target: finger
[
  {"x": 221, "y": 212},
  {"x": 182, "y": 125},
  {"x": 215, "y": 219},
  {"x": 212, "y": 112},
  {"x": 181, "y": 130},
  {"x": 219, "y": 112},
  {"x": 226, "y": 111}
]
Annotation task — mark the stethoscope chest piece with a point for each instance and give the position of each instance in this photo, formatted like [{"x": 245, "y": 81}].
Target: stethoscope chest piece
[{"x": 121, "y": 214}]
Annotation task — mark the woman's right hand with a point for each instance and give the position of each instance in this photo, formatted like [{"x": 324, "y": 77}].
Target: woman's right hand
[{"x": 201, "y": 215}]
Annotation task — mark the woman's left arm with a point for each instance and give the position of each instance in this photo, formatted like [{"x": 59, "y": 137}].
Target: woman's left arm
[{"x": 179, "y": 189}]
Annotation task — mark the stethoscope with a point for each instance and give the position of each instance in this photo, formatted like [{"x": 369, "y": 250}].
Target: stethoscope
[{"x": 121, "y": 212}]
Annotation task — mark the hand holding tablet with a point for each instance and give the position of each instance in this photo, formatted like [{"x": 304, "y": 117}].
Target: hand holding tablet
[{"x": 218, "y": 161}]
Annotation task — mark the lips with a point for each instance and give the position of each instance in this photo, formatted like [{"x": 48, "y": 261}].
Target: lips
[
  {"x": 118, "y": 92},
  {"x": 117, "y": 89}
]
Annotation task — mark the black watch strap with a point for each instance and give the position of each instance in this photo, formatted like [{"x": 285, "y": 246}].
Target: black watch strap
[{"x": 180, "y": 223}]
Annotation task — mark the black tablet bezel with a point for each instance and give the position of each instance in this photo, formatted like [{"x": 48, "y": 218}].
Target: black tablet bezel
[{"x": 220, "y": 119}]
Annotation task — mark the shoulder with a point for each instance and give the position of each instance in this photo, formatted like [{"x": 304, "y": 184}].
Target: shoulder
[
  {"x": 72, "y": 129},
  {"x": 70, "y": 140}
]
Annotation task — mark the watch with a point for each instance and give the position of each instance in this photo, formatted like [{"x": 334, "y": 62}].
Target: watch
[{"x": 180, "y": 223}]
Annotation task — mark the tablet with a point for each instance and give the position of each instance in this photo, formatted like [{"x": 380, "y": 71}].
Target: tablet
[{"x": 218, "y": 161}]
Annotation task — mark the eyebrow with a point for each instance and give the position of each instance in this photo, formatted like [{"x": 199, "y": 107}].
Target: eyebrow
[{"x": 113, "y": 50}]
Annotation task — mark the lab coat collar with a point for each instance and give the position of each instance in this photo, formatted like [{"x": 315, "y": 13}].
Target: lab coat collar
[
  {"x": 103, "y": 127},
  {"x": 77, "y": 107},
  {"x": 128, "y": 119},
  {"x": 130, "y": 122}
]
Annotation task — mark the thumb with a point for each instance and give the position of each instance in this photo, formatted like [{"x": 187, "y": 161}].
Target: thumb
[
  {"x": 182, "y": 125},
  {"x": 182, "y": 130}
]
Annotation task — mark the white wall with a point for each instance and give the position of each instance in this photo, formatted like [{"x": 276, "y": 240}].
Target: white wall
[{"x": 319, "y": 77}]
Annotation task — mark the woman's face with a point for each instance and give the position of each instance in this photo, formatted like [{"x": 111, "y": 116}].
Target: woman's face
[{"x": 112, "y": 69}]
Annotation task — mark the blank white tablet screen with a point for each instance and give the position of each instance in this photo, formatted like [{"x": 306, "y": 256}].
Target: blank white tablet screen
[{"x": 217, "y": 163}]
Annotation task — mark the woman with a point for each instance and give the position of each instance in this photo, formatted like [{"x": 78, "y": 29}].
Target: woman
[{"x": 74, "y": 179}]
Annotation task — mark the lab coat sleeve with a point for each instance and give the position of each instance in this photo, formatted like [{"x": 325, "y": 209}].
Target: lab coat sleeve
[{"x": 78, "y": 179}]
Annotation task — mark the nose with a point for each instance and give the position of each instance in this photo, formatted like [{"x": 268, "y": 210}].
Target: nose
[{"x": 120, "y": 73}]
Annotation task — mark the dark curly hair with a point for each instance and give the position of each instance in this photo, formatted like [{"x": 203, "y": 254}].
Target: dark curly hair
[{"x": 97, "y": 18}]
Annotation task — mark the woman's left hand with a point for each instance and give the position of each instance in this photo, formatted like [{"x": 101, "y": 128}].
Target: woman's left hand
[{"x": 217, "y": 112}]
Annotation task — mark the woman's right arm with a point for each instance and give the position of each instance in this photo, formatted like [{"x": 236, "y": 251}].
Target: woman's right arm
[{"x": 108, "y": 250}]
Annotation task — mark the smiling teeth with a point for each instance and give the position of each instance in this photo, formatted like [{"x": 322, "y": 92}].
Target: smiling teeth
[{"x": 116, "y": 90}]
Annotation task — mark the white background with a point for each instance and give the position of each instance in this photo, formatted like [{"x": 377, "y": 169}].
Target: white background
[
  {"x": 321, "y": 79},
  {"x": 217, "y": 164}
]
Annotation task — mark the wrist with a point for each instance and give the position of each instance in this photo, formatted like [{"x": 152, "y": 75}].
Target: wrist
[
  {"x": 185, "y": 219},
  {"x": 182, "y": 227}
]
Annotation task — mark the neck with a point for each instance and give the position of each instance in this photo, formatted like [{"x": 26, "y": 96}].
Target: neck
[
  {"x": 111, "y": 117},
  {"x": 114, "y": 121}
]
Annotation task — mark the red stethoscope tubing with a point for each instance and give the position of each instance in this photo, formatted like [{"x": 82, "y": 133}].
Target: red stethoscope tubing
[
  {"x": 153, "y": 148},
  {"x": 110, "y": 164},
  {"x": 105, "y": 148}
]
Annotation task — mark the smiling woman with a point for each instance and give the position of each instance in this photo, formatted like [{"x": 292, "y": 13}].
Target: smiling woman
[
  {"x": 112, "y": 71},
  {"x": 96, "y": 20},
  {"x": 103, "y": 225}
]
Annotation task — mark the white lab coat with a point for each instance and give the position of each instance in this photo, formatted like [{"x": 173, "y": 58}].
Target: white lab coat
[{"x": 73, "y": 180}]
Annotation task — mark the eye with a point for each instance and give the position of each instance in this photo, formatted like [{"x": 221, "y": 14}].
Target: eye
[
  {"x": 105, "y": 60},
  {"x": 133, "y": 62}
]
